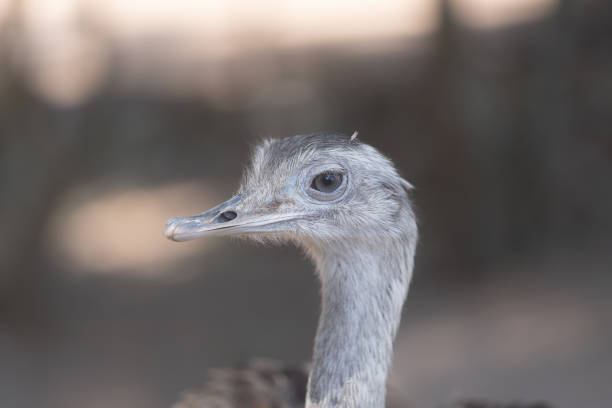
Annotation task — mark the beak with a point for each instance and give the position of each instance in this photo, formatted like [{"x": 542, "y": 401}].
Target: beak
[{"x": 228, "y": 218}]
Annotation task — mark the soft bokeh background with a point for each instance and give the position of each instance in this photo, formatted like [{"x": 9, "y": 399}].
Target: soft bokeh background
[{"x": 116, "y": 115}]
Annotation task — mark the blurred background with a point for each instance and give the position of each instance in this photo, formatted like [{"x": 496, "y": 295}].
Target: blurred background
[{"x": 116, "y": 115}]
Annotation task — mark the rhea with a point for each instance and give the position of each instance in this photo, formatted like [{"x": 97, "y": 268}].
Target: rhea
[{"x": 345, "y": 204}]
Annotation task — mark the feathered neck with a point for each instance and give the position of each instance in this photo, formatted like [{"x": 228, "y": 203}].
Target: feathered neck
[{"x": 363, "y": 288}]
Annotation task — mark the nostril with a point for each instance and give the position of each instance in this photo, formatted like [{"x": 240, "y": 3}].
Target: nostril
[{"x": 226, "y": 216}]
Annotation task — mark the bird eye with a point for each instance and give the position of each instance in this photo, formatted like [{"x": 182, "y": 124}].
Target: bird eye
[
  {"x": 327, "y": 182},
  {"x": 327, "y": 186}
]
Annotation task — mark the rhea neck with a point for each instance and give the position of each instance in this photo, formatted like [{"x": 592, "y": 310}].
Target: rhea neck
[{"x": 363, "y": 287}]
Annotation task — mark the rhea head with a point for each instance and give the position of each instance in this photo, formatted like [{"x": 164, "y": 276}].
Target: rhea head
[{"x": 318, "y": 190}]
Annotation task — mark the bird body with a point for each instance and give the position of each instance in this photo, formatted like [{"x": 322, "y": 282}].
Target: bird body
[
  {"x": 261, "y": 383},
  {"x": 345, "y": 204}
]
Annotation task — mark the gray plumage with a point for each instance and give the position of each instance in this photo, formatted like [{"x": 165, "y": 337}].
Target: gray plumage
[{"x": 345, "y": 204}]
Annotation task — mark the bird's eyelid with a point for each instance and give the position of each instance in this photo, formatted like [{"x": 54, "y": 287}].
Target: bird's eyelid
[
  {"x": 331, "y": 170},
  {"x": 317, "y": 168},
  {"x": 327, "y": 166}
]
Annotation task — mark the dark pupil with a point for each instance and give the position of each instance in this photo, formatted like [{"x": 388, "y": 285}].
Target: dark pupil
[
  {"x": 329, "y": 179},
  {"x": 327, "y": 182}
]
